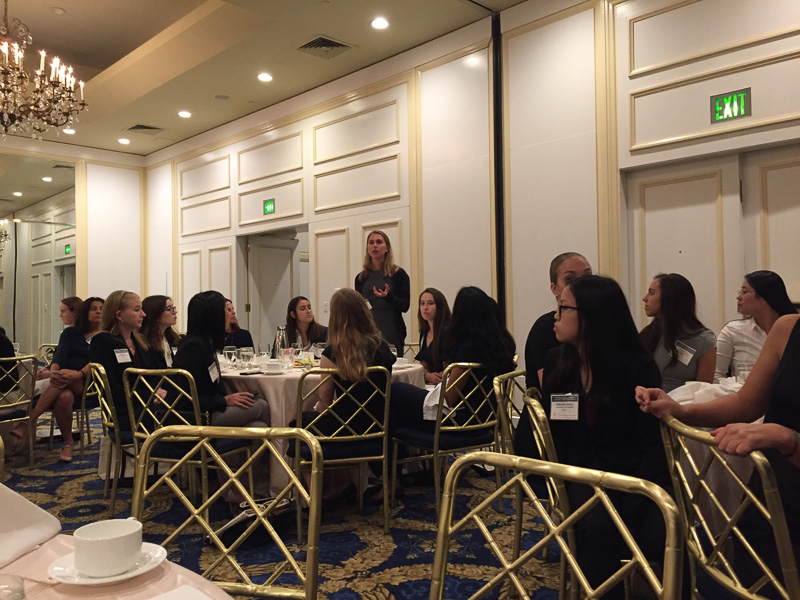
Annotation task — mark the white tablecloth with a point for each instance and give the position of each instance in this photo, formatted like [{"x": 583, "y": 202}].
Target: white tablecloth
[
  {"x": 33, "y": 566},
  {"x": 281, "y": 393}
]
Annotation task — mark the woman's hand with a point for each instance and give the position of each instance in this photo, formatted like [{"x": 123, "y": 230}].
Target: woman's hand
[
  {"x": 742, "y": 438},
  {"x": 240, "y": 399},
  {"x": 656, "y": 402},
  {"x": 381, "y": 293},
  {"x": 43, "y": 374},
  {"x": 433, "y": 378}
]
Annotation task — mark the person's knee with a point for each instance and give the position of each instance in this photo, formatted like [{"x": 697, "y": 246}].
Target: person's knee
[{"x": 65, "y": 399}]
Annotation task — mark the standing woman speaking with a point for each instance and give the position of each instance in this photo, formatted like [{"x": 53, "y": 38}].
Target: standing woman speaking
[{"x": 386, "y": 288}]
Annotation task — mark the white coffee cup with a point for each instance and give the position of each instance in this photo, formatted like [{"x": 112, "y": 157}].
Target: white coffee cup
[
  {"x": 273, "y": 366},
  {"x": 107, "y": 548},
  {"x": 401, "y": 362}
]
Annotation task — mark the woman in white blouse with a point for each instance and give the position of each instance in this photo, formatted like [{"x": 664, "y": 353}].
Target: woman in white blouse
[{"x": 761, "y": 299}]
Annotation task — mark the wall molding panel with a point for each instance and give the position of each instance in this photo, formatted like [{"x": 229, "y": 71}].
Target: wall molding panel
[
  {"x": 272, "y": 158},
  {"x": 288, "y": 198},
  {"x": 373, "y": 128},
  {"x": 211, "y": 176},
  {"x": 211, "y": 215},
  {"x": 220, "y": 269},
  {"x": 363, "y": 183}
]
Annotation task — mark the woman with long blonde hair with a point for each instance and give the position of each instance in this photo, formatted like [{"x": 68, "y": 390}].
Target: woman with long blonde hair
[{"x": 387, "y": 289}]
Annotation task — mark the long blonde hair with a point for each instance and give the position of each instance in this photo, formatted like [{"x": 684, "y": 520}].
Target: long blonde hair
[
  {"x": 352, "y": 334},
  {"x": 116, "y": 301},
  {"x": 389, "y": 268}
]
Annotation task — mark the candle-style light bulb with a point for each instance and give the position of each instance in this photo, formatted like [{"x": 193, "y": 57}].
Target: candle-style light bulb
[
  {"x": 81, "y": 84},
  {"x": 41, "y": 63}
]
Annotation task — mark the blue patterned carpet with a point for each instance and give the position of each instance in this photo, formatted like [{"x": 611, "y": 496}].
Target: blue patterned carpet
[{"x": 357, "y": 560}]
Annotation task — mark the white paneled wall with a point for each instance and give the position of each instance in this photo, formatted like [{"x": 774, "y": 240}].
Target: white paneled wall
[{"x": 159, "y": 231}]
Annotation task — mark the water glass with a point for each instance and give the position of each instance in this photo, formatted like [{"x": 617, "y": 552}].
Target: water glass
[
  {"x": 287, "y": 357},
  {"x": 298, "y": 348},
  {"x": 247, "y": 357},
  {"x": 318, "y": 349},
  {"x": 229, "y": 352},
  {"x": 393, "y": 349},
  {"x": 16, "y": 349},
  {"x": 12, "y": 587},
  {"x": 742, "y": 371}
]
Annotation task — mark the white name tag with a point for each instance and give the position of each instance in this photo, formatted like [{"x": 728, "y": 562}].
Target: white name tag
[
  {"x": 213, "y": 371},
  {"x": 563, "y": 407},
  {"x": 122, "y": 354},
  {"x": 685, "y": 352},
  {"x": 369, "y": 305}
]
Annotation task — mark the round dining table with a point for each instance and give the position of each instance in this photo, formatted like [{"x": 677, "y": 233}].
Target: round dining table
[
  {"x": 280, "y": 391},
  {"x": 167, "y": 579}
]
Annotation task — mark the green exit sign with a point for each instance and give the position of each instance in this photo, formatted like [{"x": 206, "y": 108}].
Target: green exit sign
[
  {"x": 731, "y": 105},
  {"x": 68, "y": 249},
  {"x": 269, "y": 206}
]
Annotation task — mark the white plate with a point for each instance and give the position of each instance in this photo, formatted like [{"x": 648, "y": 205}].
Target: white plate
[
  {"x": 401, "y": 367},
  {"x": 63, "y": 570}
]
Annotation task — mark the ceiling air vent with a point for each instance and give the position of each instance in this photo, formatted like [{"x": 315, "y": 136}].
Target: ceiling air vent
[
  {"x": 324, "y": 47},
  {"x": 70, "y": 167},
  {"x": 145, "y": 129}
]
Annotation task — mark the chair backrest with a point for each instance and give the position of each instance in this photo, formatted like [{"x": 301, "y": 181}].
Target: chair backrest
[
  {"x": 713, "y": 497},
  {"x": 474, "y": 407},
  {"x": 45, "y": 354},
  {"x": 511, "y": 560},
  {"x": 97, "y": 386},
  {"x": 17, "y": 381},
  {"x": 260, "y": 517},
  {"x": 160, "y": 397},
  {"x": 359, "y": 410},
  {"x": 509, "y": 390},
  {"x": 410, "y": 350}
]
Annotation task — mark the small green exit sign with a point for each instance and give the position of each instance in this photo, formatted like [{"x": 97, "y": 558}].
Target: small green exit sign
[
  {"x": 731, "y": 105},
  {"x": 269, "y": 206},
  {"x": 68, "y": 249}
]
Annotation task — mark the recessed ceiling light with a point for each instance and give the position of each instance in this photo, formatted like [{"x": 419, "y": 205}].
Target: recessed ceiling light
[
  {"x": 18, "y": 194},
  {"x": 124, "y": 141},
  {"x": 17, "y": 220},
  {"x": 380, "y": 23},
  {"x": 184, "y": 114},
  {"x": 264, "y": 77},
  {"x": 69, "y": 131},
  {"x": 221, "y": 97},
  {"x": 47, "y": 179},
  {"x": 57, "y": 10}
]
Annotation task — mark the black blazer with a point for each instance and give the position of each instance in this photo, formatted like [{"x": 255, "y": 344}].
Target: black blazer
[{"x": 196, "y": 355}]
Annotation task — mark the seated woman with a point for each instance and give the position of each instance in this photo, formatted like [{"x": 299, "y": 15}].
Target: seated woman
[
  {"x": 119, "y": 345},
  {"x": 68, "y": 313},
  {"x": 595, "y": 371},
  {"x": 770, "y": 390},
  {"x": 683, "y": 348},
  {"x": 433, "y": 317},
  {"x": 301, "y": 328},
  {"x": 157, "y": 328},
  {"x": 235, "y": 335},
  {"x": 475, "y": 335},
  {"x": 762, "y": 299},
  {"x": 68, "y": 374},
  {"x": 197, "y": 353}
]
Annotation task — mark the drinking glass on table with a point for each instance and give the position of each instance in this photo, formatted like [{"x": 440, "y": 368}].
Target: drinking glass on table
[
  {"x": 287, "y": 357},
  {"x": 229, "y": 352},
  {"x": 247, "y": 357},
  {"x": 16, "y": 348},
  {"x": 393, "y": 349},
  {"x": 318, "y": 349},
  {"x": 12, "y": 587}
]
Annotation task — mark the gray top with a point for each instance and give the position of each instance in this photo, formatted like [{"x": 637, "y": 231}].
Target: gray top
[{"x": 690, "y": 349}]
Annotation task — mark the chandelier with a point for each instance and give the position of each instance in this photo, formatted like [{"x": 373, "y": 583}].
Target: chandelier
[
  {"x": 33, "y": 104},
  {"x": 4, "y": 235}
]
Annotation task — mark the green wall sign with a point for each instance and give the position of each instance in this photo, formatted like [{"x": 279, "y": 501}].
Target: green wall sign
[
  {"x": 731, "y": 105},
  {"x": 269, "y": 206},
  {"x": 67, "y": 249}
]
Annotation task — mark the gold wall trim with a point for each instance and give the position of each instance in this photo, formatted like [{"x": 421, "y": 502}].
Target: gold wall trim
[
  {"x": 273, "y": 217},
  {"x": 376, "y": 145},
  {"x": 359, "y": 201},
  {"x": 183, "y": 209},
  {"x": 239, "y": 154},
  {"x": 333, "y": 232},
  {"x": 564, "y": 13},
  {"x": 632, "y": 71},
  {"x": 81, "y": 230},
  {"x": 706, "y": 133},
  {"x": 183, "y": 172}
]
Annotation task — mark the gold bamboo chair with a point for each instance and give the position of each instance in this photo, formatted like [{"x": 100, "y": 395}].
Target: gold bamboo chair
[
  {"x": 471, "y": 424},
  {"x": 410, "y": 350},
  {"x": 509, "y": 393},
  {"x": 18, "y": 378},
  {"x": 45, "y": 354},
  {"x": 703, "y": 506},
  {"x": 511, "y": 561},
  {"x": 224, "y": 569},
  {"x": 347, "y": 429}
]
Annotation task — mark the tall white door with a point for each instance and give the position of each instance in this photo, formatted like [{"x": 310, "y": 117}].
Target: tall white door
[
  {"x": 274, "y": 267},
  {"x": 687, "y": 219}
]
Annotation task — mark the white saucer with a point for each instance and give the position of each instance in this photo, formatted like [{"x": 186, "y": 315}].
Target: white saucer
[
  {"x": 63, "y": 570},
  {"x": 273, "y": 372},
  {"x": 401, "y": 367}
]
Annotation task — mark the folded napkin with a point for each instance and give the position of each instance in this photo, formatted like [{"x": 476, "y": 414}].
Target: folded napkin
[
  {"x": 23, "y": 526},
  {"x": 697, "y": 392},
  {"x": 185, "y": 592}
]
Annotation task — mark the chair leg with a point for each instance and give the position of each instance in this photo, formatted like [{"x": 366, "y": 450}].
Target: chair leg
[
  {"x": 437, "y": 478},
  {"x": 52, "y": 431},
  {"x": 2, "y": 460},
  {"x": 117, "y": 476},
  {"x": 387, "y": 485},
  {"x": 31, "y": 440},
  {"x": 394, "y": 467},
  {"x": 107, "y": 481}
]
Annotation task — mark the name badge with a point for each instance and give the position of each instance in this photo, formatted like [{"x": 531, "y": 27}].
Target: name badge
[
  {"x": 213, "y": 371},
  {"x": 563, "y": 407},
  {"x": 122, "y": 354},
  {"x": 369, "y": 305},
  {"x": 174, "y": 350},
  {"x": 685, "y": 352}
]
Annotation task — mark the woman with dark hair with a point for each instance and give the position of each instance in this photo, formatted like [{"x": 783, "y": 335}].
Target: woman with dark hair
[
  {"x": 157, "y": 327},
  {"x": 433, "y": 317},
  {"x": 684, "y": 349},
  {"x": 235, "y": 335},
  {"x": 68, "y": 310},
  {"x": 197, "y": 353},
  {"x": 762, "y": 300},
  {"x": 386, "y": 288},
  {"x": 301, "y": 328},
  {"x": 597, "y": 423},
  {"x": 475, "y": 335},
  {"x": 119, "y": 345},
  {"x": 67, "y": 374}
]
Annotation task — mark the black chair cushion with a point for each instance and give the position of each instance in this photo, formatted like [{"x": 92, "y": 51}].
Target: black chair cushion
[
  {"x": 447, "y": 440},
  {"x": 14, "y": 414},
  {"x": 340, "y": 450}
]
